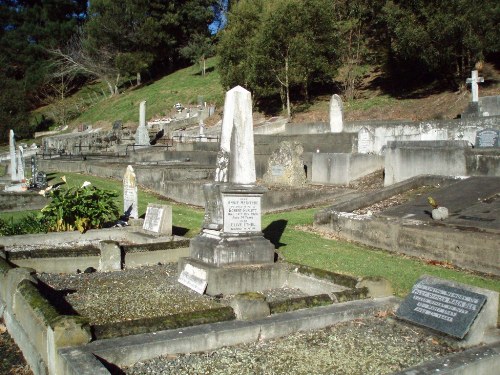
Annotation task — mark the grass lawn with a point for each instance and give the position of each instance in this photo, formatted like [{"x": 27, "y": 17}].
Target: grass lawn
[{"x": 298, "y": 246}]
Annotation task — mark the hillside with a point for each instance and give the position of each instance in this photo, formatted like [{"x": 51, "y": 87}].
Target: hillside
[{"x": 187, "y": 86}]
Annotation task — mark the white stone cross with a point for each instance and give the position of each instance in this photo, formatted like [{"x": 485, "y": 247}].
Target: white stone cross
[{"x": 474, "y": 80}]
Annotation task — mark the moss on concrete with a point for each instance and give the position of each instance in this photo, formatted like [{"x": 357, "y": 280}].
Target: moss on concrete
[
  {"x": 351, "y": 294},
  {"x": 345, "y": 280},
  {"x": 38, "y": 303},
  {"x": 138, "y": 326},
  {"x": 4, "y": 266},
  {"x": 83, "y": 251},
  {"x": 251, "y": 296},
  {"x": 139, "y": 248},
  {"x": 298, "y": 303}
]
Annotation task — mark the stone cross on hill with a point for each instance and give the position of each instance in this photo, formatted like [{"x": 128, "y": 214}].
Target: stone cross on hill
[{"x": 474, "y": 80}]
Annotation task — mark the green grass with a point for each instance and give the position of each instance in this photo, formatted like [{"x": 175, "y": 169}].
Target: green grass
[
  {"x": 306, "y": 248},
  {"x": 184, "y": 86}
]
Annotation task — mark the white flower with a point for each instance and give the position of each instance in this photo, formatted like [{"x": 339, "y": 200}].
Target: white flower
[
  {"x": 85, "y": 184},
  {"x": 63, "y": 178}
]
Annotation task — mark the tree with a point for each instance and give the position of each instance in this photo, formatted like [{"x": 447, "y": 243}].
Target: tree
[{"x": 197, "y": 51}]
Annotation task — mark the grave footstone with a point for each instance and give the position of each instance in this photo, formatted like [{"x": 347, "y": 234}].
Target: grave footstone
[
  {"x": 336, "y": 114},
  {"x": 286, "y": 166},
  {"x": 458, "y": 310},
  {"x": 158, "y": 219},
  {"x": 487, "y": 138},
  {"x": 130, "y": 200}
]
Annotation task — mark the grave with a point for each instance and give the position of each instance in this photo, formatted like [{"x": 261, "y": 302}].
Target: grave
[
  {"x": 231, "y": 239},
  {"x": 461, "y": 311},
  {"x": 13, "y": 158},
  {"x": 20, "y": 164},
  {"x": 336, "y": 114},
  {"x": 130, "y": 200},
  {"x": 366, "y": 141},
  {"x": 286, "y": 166},
  {"x": 158, "y": 220},
  {"x": 142, "y": 134}
]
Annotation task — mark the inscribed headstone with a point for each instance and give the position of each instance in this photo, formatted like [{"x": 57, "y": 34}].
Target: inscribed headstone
[
  {"x": 194, "y": 278},
  {"x": 336, "y": 114},
  {"x": 41, "y": 180},
  {"x": 487, "y": 138},
  {"x": 13, "y": 158},
  {"x": 158, "y": 219},
  {"x": 365, "y": 141},
  {"x": 130, "y": 201},
  {"x": 241, "y": 213},
  {"x": 437, "y": 304},
  {"x": 286, "y": 165}
]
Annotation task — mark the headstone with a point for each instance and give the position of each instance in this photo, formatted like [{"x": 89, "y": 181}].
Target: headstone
[
  {"x": 487, "y": 138},
  {"x": 41, "y": 180},
  {"x": 474, "y": 80},
  {"x": 20, "y": 164},
  {"x": 130, "y": 201},
  {"x": 158, "y": 219},
  {"x": 336, "y": 114},
  {"x": 117, "y": 125},
  {"x": 34, "y": 168},
  {"x": 194, "y": 278},
  {"x": 142, "y": 134},
  {"x": 286, "y": 166},
  {"x": 13, "y": 158},
  {"x": 365, "y": 141},
  {"x": 441, "y": 305}
]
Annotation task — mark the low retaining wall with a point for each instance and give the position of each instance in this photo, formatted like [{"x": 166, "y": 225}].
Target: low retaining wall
[{"x": 21, "y": 201}]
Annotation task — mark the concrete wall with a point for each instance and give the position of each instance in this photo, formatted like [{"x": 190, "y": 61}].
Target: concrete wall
[
  {"x": 447, "y": 158},
  {"x": 19, "y": 201},
  {"x": 342, "y": 169}
]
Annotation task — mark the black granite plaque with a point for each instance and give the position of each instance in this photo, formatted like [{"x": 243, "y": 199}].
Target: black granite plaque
[
  {"x": 41, "y": 180},
  {"x": 487, "y": 138},
  {"x": 436, "y": 304}
]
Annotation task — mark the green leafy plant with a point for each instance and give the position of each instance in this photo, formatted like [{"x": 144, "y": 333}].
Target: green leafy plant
[
  {"x": 81, "y": 208},
  {"x": 30, "y": 224}
]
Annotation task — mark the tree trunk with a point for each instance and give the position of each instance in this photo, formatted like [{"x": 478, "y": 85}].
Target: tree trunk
[{"x": 287, "y": 87}]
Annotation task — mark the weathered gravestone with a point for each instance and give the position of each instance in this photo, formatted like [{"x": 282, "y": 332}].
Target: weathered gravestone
[
  {"x": 40, "y": 180},
  {"x": 20, "y": 164},
  {"x": 142, "y": 134},
  {"x": 286, "y": 166},
  {"x": 130, "y": 201},
  {"x": 231, "y": 235},
  {"x": 336, "y": 114},
  {"x": 487, "y": 138},
  {"x": 158, "y": 219},
  {"x": 457, "y": 310},
  {"x": 13, "y": 158},
  {"x": 366, "y": 141}
]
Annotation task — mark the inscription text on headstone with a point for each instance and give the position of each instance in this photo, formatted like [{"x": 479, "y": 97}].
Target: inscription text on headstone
[{"x": 241, "y": 214}]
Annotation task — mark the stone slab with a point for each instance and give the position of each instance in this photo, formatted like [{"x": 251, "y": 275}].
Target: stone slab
[
  {"x": 472, "y": 202},
  {"x": 438, "y": 305},
  {"x": 158, "y": 219}
]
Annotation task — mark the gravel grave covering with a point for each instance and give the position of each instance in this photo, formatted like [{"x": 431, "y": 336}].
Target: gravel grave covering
[
  {"x": 378, "y": 345},
  {"x": 145, "y": 292}
]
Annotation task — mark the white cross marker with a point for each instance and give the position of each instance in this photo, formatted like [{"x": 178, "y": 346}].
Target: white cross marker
[{"x": 474, "y": 80}]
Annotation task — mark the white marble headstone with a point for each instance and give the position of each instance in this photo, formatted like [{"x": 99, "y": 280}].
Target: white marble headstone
[
  {"x": 142, "y": 134},
  {"x": 13, "y": 158},
  {"x": 236, "y": 159},
  {"x": 365, "y": 141},
  {"x": 130, "y": 201},
  {"x": 20, "y": 164},
  {"x": 336, "y": 114}
]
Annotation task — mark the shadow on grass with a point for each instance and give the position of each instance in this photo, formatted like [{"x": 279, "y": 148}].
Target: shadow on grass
[
  {"x": 179, "y": 231},
  {"x": 274, "y": 231}
]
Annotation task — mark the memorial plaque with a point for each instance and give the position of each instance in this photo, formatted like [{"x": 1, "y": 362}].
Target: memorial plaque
[
  {"x": 487, "y": 138},
  {"x": 241, "y": 214},
  {"x": 277, "y": 170},
  {"x": 365, "y": 141},
  {"x": 41, "y": 180},
  {"x": 436, "y": 304},
  {"x": 194, "y": 278}
]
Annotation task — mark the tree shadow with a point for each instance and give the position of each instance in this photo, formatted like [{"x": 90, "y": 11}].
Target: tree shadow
[{"x": 274, "y": 231}]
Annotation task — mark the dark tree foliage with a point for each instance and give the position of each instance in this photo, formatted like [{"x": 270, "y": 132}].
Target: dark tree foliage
[{"x": 27, "y": 29}]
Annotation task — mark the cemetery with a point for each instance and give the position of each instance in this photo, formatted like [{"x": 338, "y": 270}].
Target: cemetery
[{"x": 107, "y": 300}]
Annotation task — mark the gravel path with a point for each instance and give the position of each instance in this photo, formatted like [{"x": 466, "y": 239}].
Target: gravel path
[{"x": 378, "y": 345}]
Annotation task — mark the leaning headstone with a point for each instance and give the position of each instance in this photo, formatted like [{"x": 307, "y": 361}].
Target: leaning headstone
[
  {"x": 158, "y": 219},
  {"x": 474, "y": 80},
  {"x": 13, "y": 158},
  {"x": 336, "y": 114},
  {"x": 130, "y": 201},
  {"x": 20, "y": 164},
  {"x": 286, "y": 166},
  {"x": 366, "y": 141},
  {"x": 458, "y": 310},
  {"x": 487, "y": 138},
  {"x": 142, "y": 134}
]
